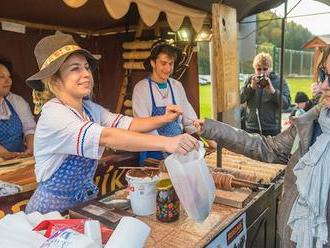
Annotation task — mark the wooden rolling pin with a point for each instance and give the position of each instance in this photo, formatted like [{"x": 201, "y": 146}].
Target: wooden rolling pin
[
  {"x": 136, "y": 55},
  {"x": 133, "y": 66},
  {"x": 138, "y": 45},
  {"x": 236, "y": 173},
  {"x": 228, "y": 182}
]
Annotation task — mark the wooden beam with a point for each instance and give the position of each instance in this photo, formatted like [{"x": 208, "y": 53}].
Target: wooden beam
[
  {"x": 225, "y": 84},
  {"x": 49, "y": 27},
  {"x": 101, "y": 32},
  {"x": 224, "y": 63},
  {"x": 133, "y": 28},
  {"x": 80, "y": 31}
]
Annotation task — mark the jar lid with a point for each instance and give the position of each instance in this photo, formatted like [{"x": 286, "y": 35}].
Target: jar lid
[{"x": 164, "y": 184}]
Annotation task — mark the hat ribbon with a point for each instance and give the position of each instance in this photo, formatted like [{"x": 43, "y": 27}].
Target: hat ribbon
[{"x": 58, "y": 53}]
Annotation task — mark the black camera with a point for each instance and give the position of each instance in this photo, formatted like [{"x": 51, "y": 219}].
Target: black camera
[{"x": 261, "y": 80}]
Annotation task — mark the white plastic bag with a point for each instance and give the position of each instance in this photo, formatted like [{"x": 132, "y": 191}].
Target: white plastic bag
[
  {"x": 192, "y": 182},
  {"x": 68, "y": 238}
]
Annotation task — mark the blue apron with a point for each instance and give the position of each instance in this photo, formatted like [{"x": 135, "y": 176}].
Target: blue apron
[
  {"x": 171, "y": 129},
  {"x": 11, "y": 131},
  {"x": 69, "y": 186}
]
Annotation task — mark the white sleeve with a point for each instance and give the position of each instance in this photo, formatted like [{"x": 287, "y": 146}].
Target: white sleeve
[
  {"x": 189, "y": 113},
  {"x": 23, "y": 110},
  {"x": 60, "y": 132},
  {"x": 141, "y": 101}
]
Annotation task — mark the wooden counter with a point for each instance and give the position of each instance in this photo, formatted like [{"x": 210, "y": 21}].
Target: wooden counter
[
  {"x": 107, "y": 177},
  {"x": 260, "y": 213},
  {"x": 187, "y": 233},
  {"x": 254, "y": 224}
]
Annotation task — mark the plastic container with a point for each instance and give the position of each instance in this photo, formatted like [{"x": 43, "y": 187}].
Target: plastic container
[
  {"x": 142, "y": 191},
  {"x": 92, "y": 229}
]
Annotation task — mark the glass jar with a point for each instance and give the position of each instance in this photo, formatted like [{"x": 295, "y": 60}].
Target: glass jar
[{"x": 168, "y": 204}]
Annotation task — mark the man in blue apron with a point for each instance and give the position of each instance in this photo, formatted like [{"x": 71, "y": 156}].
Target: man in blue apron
[
  {"x": 157, "y": 93},
  {"x": 17, "y": 124}
]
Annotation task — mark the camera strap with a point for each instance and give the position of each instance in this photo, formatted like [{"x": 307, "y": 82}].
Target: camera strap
[{"x": 259, "y": 98}]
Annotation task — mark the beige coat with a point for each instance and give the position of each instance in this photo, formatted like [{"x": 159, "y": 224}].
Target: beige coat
[{"x": 275, "y": 149}]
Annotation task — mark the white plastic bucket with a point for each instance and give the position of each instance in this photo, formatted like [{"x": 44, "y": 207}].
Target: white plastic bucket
[{"x": 142, "y": 193}]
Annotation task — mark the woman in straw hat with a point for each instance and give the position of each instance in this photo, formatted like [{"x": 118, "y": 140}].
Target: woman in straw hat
[
  {"x": 72, "y": 132},
  {"x": 304, "y": 210},
  {"x": 17, "y": 124}
]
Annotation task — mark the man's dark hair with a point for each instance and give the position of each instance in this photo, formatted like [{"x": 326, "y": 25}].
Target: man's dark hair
[
  {"x": 7, "y": 64},
  {"x": 158, "y": 48}
]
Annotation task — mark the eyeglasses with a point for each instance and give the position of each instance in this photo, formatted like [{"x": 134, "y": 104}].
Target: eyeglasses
[
  {"x": 323, "y": 75},
  {"x": 264, "y": 69}
]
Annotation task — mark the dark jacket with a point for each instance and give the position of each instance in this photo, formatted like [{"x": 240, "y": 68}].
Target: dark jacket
[
  {"x": 269, "y": 106},
  {"x": 275, "y": 149}
]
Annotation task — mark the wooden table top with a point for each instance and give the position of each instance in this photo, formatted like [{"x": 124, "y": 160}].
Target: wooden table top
[{"x": 185, "y": 232}]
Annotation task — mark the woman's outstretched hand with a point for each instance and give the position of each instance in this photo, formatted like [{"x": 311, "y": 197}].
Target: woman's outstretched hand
[{"x": 181, "y": 144}]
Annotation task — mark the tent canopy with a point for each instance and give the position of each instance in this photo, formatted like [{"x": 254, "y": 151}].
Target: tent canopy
[
  {"x": 245, "y": 9},
  {"x": 104, "y": 16},
  {"x": 101, "y": 16}
]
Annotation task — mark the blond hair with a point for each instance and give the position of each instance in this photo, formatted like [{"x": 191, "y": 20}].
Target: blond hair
[
  {"x": 41, "y": 97},
  {"x": 49, "y": 92},
  {"x": 262, "y": 60},
  {"x": 321, "y": 63},
  {"x": 322, "y": 59}
]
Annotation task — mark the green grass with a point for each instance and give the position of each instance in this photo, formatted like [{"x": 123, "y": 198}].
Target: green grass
[
  {"x": 295, "y": 84},
  {"x": 299, "y": 84},
  {"x": 205, "y": 101}
]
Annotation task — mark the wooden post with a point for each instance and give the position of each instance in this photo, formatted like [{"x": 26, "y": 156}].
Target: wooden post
[
  {"x": 315, "y": 61},
  {"x": 224, "y": 61}
]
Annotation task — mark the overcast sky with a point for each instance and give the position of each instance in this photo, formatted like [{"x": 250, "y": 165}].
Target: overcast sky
[{"x": 317, "y": 24}]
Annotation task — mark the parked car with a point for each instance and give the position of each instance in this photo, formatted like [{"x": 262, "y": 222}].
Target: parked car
[
  {"x": 204, "y": 79},
  {"x": 243, "y": 77}
]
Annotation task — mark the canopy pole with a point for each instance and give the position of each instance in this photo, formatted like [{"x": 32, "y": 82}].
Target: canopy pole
[{"x": 282, "y": 61}]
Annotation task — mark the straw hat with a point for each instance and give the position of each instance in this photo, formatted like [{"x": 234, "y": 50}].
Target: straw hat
[{"x": 51, "y": 52}]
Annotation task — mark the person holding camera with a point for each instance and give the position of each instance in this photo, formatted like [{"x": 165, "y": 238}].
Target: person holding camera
[{"x": 261, "y": 93}]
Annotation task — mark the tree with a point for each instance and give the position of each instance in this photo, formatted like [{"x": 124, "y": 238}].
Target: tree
[
  {"x": 203, "y": 58},
  {"x": 270, "y": 32}
]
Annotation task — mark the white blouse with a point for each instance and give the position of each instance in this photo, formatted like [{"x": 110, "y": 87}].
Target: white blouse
[
  {"x": 142, "y": 103},
  {"x": 22, "y": 109},
  {"x": 61, "y": 132}
]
